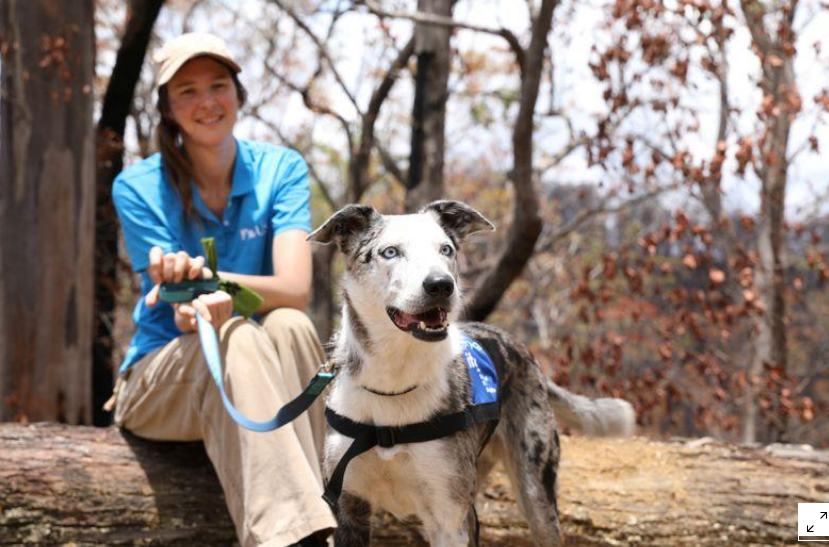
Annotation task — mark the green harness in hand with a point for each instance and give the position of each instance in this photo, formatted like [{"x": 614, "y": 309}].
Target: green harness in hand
[{"x": 245, "y": 300}]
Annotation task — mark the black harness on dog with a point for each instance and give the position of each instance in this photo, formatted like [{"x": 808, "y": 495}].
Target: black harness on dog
[{"x": 485, "y": 408}]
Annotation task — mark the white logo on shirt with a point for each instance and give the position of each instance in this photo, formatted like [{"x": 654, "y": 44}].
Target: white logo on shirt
[{"x": 252, "y": 233}]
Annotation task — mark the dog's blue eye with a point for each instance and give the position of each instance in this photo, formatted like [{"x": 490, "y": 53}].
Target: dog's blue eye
[
  {"x": 447, "y": 250},
  {"x": 389, "y": 252}
]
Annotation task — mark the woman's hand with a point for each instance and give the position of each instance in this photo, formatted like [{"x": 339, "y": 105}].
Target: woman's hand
[
  {"x": 173, "y": 268},
  {"x": 216, "y": 307}
]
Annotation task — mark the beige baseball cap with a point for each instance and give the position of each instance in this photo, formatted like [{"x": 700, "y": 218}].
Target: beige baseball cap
[{"x": 172, "y": 55}]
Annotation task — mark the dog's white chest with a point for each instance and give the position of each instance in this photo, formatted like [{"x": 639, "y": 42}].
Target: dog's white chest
[
  {"x": 388, "y": 454},
  {"x": 405, "y": 480}
]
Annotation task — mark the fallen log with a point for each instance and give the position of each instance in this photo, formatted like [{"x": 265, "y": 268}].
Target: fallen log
[{"x": 86, "y": 486}]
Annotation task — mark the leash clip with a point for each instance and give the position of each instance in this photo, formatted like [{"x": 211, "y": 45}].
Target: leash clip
[{"x": 322, "y": 378}]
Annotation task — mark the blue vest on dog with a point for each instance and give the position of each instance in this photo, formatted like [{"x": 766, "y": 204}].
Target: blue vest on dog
[{"x": 482, "y": 372}]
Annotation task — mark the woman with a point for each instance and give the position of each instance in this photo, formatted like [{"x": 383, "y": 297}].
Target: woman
[{"x": 253, "y": 199}]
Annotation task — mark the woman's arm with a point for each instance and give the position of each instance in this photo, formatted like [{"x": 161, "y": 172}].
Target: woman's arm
[{"x": 290, "y": 286}]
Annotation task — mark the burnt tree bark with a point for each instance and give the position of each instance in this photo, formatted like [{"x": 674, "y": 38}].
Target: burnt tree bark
[
  {"x": 47, "y": 211},
  {"x": 110, "y": 160},
  {"x": 425, "y": 176},
  {"x": 322, "y": 309},
  {"x": 92, "y": 486}
]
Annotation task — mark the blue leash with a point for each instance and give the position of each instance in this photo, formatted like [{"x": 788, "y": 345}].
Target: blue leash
[{"x": 288, "y": 413}]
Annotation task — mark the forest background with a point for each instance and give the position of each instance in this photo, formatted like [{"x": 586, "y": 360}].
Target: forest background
[{"x": 655, "y": 169}]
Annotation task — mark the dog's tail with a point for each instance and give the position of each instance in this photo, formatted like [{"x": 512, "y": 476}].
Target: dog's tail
[{"x": 603, "y": 417}]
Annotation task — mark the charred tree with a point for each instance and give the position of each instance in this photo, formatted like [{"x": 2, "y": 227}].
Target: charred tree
[
  {"x": 425, "y": 176},
  {"x": 110, "y": 160},
  {"x": 47, "y": 210}
]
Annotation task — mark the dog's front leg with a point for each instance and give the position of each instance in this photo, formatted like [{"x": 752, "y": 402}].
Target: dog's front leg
[
  {"x": 450, "y": 538},
  {"x": 448, "y": 530},
  {"x": 353, "y": 522}
]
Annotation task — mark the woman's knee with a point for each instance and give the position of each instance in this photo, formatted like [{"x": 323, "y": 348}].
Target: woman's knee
[
  {"x": 289, "y": 321},
  {"x": 240, "y": 335},
  {"x": 238, "y": 327}
]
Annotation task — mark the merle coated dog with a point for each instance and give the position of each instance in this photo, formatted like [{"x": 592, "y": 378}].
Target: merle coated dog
[{"x": 399, "y": 351}]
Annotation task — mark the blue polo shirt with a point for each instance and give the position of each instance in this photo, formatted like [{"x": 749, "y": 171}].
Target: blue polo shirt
[{"x": 269, "y": 195}]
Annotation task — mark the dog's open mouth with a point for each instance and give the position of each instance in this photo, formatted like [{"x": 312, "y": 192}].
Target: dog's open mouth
[{"x": 430, "y": 325}]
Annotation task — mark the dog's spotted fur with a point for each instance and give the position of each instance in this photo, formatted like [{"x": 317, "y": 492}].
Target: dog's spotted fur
[{"x": 435, "y": 482}]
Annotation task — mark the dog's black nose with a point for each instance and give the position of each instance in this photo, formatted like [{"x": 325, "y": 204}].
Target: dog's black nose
[{"x": 439, "y": 285}]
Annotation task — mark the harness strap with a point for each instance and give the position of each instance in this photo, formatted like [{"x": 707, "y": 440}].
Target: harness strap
[{"x": 368, "y": 436}]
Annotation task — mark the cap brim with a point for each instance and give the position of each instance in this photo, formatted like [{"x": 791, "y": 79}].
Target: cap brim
[{"x": 170, "y": 70}]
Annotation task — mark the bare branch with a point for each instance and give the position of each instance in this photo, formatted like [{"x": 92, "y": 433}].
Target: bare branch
[
  {"x": 323, "y": 52},
  {"x": 188, "y": 16},
  {"x": 754, "y": 13},
  {"x": 526, "y": 222},
  {"x": 572, "y": 146},
  {"x": 805, "y": 145},
  {"x": 390, "y": 164},
  {"x": 711, "y": 191},
  {"x": 432, "y": 19},
  {"x": 603, "y": 208},
  {"x": 323, "y": 186},
  {"x": 310, "y": 104},
  {"x": 382, "y": 92},
  {"x": 361, "y": 156}
]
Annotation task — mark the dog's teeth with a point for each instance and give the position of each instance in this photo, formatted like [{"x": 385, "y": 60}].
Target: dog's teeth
[{"x": 423, "y": 325}]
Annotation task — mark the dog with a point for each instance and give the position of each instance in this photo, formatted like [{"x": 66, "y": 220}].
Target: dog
[{"x": 399, "y": 353}]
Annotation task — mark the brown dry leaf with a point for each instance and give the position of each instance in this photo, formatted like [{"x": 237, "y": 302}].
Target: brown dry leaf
[{"x": 746, "y": 277}]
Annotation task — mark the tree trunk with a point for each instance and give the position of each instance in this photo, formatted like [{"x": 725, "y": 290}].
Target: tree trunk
[
  {"x": 92, "y": 486},
  {"x": 322, "y": 309},
  {"x": 425, "y": 180},
  {"x": 110, "y": 160},
  {"x": 47, "y": 197},
  {"x": 780, "y": 87},
  {"x": 526, "y": 223},
  {"x": 771, "y": 348}
]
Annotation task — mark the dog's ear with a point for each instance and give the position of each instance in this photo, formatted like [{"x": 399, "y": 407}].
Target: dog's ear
[
  {"x": 458, "y": 218},
  {"x": 344, "y": 225}
]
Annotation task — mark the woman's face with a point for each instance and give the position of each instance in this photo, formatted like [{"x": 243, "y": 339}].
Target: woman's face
[{"x": 203, "y": 101}]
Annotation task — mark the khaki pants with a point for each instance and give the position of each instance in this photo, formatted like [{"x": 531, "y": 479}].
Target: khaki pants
[{"x": 272, "y": 481}]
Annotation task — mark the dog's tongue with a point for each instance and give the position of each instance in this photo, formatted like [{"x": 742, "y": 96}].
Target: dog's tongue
[{"x": 432, "y": 318}]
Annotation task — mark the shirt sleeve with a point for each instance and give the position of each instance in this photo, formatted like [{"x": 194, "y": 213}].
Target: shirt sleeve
[
  {"x": 142, "y": 225},
  {"x": 291, "y": 209}
]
